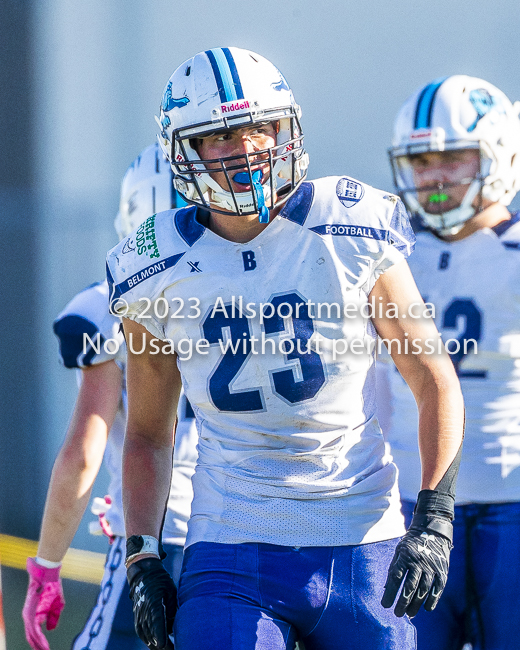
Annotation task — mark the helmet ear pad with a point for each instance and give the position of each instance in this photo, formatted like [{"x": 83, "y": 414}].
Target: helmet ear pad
[
  {"x": 284, "y": 170},
  {"x": 190, "y": 184},
  {"x": 283, "y": 135}
]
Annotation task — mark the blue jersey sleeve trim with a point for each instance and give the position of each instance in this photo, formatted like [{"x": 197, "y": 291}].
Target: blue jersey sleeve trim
[
  {"x": 189, "y": 413},
  {"x": 117, "y": 290},
  {"x": 504, "y": 226},
  {"x": 350, "y": 230},
  {"x": 70, "y": 331},
  {"x": 110, "y": 282},
  {"x": 187, "y": 225},
  {"x": 401, "y": 235},
  {"x": 299, "y": 205},
  {"x": 418, "y": 225}
]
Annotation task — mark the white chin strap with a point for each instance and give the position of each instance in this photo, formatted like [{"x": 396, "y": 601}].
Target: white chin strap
[
  {"x": 451, "y": 222},
  {"x": 218, "y": 197}
]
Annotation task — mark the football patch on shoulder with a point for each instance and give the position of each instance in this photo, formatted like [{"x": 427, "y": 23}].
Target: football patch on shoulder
[{"x": 349, "y": 192}]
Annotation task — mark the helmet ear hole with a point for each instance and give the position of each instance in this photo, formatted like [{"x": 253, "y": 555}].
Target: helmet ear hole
[{"x": 194, "y": 143}]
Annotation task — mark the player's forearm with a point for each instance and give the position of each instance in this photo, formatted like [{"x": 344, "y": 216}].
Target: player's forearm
[
  {"x": 67, "y": 499},
  {"x": 80, "y": 457},
  {"x": 431, "y": 377},
  {"x": 441, "y": 426},
  {"x": 147, "y": 472}
]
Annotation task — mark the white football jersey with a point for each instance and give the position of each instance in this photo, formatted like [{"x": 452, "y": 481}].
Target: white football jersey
[
  {"x": 290, "y": 450},
  {"x": 474, "y": 286},
  {"x": 87, "y": 313}
]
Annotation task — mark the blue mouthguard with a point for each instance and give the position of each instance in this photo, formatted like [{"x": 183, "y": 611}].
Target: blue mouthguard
[{"x": 243, "y": 178}]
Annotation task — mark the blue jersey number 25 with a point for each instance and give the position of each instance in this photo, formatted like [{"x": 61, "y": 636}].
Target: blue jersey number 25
[{"x": 284, "y": 383}]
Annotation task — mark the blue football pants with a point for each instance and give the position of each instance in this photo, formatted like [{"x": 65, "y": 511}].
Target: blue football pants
[{"x": 265, "y": 597}]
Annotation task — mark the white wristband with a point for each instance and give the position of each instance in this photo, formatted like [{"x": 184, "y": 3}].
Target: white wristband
[
  {"x": 47, "y": 563},
  {"x": 150, "y": 545}
]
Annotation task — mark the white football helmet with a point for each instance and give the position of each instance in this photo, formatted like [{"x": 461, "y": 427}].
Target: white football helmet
[
  {"x": 459, "y": 112},
  {"x": 147, "y": 188},
  {"x": 221, "y": 89}
]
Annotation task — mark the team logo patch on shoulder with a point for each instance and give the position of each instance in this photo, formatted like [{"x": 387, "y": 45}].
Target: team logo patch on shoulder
[{"x": 349, "y": 192}]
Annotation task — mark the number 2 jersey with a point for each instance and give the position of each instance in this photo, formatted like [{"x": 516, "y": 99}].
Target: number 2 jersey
[
  {"x": 290, "y": 450},
  {"x": 87, "y": 315},
  {"x": 474, "y": 286}
]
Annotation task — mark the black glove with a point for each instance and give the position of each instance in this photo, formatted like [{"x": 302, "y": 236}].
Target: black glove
[
  {"x": 422, "y": 556},
  {"x": 154, "y": 597}
]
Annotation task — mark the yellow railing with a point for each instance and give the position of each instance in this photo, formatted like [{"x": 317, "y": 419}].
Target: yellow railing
[{"x": 84, "y": 566}]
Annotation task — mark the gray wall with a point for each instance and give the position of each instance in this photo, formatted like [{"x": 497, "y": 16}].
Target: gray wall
[
  {"x": 21, "y": 419},
  {"x": 98, "y": 71}
]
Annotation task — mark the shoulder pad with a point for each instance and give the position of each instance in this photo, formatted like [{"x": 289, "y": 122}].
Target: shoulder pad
[
  {"x": 138, "y": 266},
  {"x": 345, "y": 207}
]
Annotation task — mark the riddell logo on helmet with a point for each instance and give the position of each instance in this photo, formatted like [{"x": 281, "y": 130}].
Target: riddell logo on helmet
[
  {"x": 420, "y": 133},
  {"x": 231, "y": 107}
]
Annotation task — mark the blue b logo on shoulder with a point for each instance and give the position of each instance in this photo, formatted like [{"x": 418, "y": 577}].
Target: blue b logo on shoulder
[{"x": 349, "y": 192}]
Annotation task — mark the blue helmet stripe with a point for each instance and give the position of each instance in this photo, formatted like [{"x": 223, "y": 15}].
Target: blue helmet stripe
[
  {"x": 225, "y": 75},
  {"x": 234, "y": 73},
  {"x": 424, "y": 109},
  {"x": 218, "y": 77}
]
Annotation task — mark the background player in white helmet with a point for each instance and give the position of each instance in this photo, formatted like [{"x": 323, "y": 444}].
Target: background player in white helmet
[
  {"x": 99, "y": 421},
  {"x": 456, "y": 162},
  {"x": 292, "y": 480}
]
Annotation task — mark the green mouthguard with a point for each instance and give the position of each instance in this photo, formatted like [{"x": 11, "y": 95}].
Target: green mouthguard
[{"x": 438, "y": 198}]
